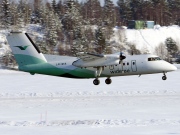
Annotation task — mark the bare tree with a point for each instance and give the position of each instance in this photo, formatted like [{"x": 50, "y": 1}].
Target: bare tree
[{"x": 161, "y": 51}]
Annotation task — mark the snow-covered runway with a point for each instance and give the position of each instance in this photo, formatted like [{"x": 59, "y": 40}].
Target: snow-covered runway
[{"x": 59, "y": 106}]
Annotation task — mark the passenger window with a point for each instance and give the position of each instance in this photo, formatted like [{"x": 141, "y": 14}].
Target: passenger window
[
  {"x": 124, "y": 64},
  {"x": 128, "y": 63}
]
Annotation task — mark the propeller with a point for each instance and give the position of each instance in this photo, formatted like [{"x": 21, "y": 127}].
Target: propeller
[{"x": 121, "y": 58}]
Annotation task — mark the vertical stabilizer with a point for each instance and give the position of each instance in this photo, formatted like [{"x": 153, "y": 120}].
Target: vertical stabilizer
[{"x": 24, "y": 49}]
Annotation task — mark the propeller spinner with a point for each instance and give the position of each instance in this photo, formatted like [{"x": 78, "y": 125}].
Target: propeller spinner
[{"x": 121, "y": 57}]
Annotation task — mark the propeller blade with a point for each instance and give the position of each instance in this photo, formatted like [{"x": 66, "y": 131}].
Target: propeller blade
[{"x": 121, "y": 58}]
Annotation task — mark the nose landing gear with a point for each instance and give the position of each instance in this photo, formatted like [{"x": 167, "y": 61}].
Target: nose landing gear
[{"x": 164, "y": 77}]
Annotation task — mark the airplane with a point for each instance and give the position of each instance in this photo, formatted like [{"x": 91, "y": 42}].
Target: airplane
[{"x": 86, "y": 65}]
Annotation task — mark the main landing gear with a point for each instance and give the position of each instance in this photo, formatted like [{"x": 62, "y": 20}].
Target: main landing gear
[
  {"x": 97, "y": 75},
  {"x": 97, "y": 81},
  {"x": 108, "y": 81},
  {"x": 164, "y": 77}
]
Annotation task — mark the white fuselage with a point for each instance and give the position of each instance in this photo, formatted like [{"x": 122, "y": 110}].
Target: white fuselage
[{"x": 132, "y": 65}]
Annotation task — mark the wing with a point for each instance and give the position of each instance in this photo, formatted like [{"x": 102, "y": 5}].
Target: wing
[
  {"x": 89, "y": 60},
  {"x": 89, "y": 56}
]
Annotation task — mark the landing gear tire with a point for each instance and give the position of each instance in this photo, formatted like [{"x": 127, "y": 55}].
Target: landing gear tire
[
  {"x": 96, "y": 82},
  {"x": 164, "y": 78},
  {"x": 108, "y": 81}
]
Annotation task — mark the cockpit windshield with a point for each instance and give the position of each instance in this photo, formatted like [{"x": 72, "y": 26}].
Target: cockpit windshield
[{"x": 154, "y": 59}]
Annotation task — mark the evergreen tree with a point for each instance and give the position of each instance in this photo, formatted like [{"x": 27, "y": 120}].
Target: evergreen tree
[
  {"x": 174, "y": 8},
  {"x": 60, "y": 8},
  {"x": 136, "y": 8},
  {"x": 108, "y": 13},
  {"x": 88, "y": 39},
  {"x": 160, "y": 11},
  {"x": 124, "y": 11},
  {"x": 109, "y": 21},
  {"x": 38, "y": 4},
  {"x": 172, "y": 48},
  {"x": 43, "y": 16},
  {"x": 24, "y": 13},
  {"x": 52, "y": 32},
  {"x": 72, "y": 26},
  {"x": 93, "y": 12},
  {"x": 6, "y": 16},
  {"x": 54, "y": 6},
  {"x": 100, "y": 41},
  {"x": 27, "y": 14},
  {"x": 20, "y": 20},
  {"x": 14, "y": 12}
]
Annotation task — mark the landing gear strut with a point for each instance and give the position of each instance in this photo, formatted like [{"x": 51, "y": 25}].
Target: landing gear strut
[
  {"x": 164, "y": 77},
  {"x": 97, "y": 74},
  {"x": 108, "y": 81}
]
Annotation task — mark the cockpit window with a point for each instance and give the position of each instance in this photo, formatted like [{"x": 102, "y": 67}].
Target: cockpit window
[{"x": 154, "y": 59}]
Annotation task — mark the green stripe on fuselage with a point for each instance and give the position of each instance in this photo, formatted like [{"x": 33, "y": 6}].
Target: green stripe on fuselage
[
  {"x": 48, "y": 69},
  {"x": 27, "y": 60},
  {"x": 34, "y": 65},
  {"x": 83, "y": 73}
]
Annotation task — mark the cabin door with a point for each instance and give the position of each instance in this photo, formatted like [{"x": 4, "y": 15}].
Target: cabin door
[{"x": 133, "y": 66}]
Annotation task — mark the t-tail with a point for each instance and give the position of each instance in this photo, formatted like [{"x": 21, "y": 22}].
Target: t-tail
[{"x": 24, "y": 49}]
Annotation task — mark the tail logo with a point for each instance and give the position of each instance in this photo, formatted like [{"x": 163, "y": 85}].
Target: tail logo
[{"x": 22, "y": 47}]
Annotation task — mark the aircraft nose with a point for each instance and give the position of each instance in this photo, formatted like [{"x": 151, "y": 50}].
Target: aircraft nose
[{"x": 172, "y": 67}]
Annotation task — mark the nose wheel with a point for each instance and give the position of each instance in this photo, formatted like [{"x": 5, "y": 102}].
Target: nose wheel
[
  {"x": 108, "y": 81},
  {"x": 164, "y": 77}
]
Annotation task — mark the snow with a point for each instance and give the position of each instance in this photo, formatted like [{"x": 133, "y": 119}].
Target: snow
[
  {"x": 49, "y": 105},
  {"x": 149, "y": 38},
  {"x": 130, "y": 105},
  {"x": 2, "y": 52}
]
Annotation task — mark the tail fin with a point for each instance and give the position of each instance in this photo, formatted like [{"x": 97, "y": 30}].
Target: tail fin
[{"x": 24, "y": 49}]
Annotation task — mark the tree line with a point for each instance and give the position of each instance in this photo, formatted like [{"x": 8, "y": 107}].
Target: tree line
[{"x": 70, "y": 26}]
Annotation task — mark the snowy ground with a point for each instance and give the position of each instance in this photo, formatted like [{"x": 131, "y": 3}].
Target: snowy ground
[
  {"x": 148, "y": 39},
  {"x": 58, "y": 106}
]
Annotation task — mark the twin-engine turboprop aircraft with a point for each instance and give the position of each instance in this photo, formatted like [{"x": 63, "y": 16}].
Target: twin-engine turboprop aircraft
[{"x": 86, "y": 65}]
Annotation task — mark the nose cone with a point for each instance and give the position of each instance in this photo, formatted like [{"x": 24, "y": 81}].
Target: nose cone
[
  {"x": 171, "y": 67},
  {"x": 174, "y": 68}
]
